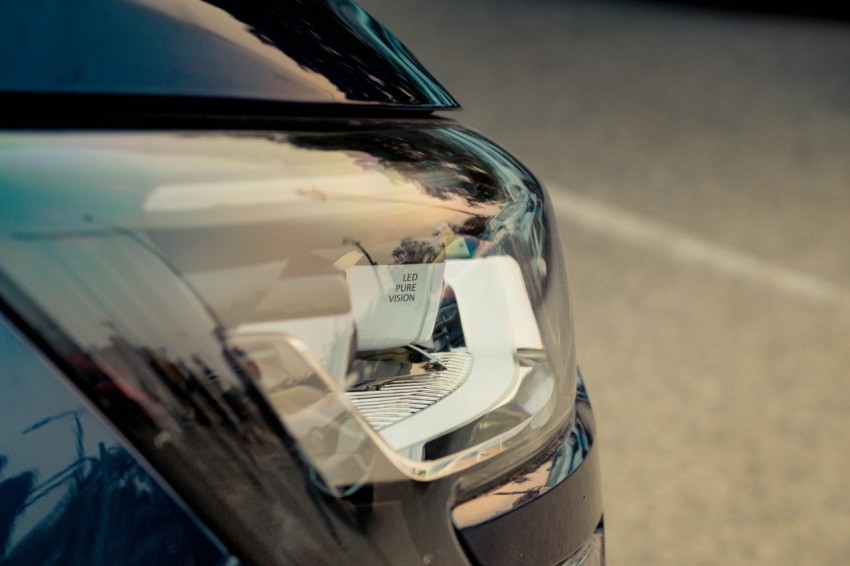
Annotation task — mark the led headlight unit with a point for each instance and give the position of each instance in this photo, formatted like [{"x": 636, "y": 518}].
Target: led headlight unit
[{"x": 396, "y": 297}]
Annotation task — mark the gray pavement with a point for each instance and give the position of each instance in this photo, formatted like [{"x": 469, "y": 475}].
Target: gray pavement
[{"x": 699, "y": 163}]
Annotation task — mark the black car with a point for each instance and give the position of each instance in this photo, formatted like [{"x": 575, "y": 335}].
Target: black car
[{"x": 261, "y": 305}]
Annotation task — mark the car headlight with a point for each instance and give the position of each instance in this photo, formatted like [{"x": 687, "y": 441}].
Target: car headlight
[{"x": 395, "y": 296}]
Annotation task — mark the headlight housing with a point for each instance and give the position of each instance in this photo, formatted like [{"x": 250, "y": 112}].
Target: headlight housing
[{"x": 395, "y": 298}]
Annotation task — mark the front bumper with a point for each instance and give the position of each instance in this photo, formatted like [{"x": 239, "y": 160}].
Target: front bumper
[{"x": 556, "y": 503}]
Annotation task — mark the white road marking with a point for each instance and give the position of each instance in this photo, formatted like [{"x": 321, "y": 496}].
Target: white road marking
[{"x": 648, "y": 233}]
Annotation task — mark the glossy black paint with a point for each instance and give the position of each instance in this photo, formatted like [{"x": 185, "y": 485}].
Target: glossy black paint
[
  {"x": 70, "y": 491},
  {"x": 296, "y": 51}
]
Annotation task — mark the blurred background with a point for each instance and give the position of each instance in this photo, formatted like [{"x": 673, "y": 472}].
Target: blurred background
[{"x": 699, "y": 161}]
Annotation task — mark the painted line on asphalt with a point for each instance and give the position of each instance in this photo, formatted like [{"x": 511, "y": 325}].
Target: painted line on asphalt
[{"x": 647, "y": 233}]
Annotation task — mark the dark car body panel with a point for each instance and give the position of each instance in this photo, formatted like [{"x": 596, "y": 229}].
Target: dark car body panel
[
  {"x": 295, "y": 51},
  {"x": 70, "y": 489}
]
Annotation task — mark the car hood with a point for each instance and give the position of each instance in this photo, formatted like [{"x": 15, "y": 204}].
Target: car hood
[{"x": 296, "y": 51}]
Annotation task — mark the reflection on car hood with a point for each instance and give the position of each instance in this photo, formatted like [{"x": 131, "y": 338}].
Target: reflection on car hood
[{"x": 303, "y": 51}]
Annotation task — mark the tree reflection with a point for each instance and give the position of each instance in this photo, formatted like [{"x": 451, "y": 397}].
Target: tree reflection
[
  {"x": 414, "y": 251},
  {"x": 472, "y": 226},
  {"x": 310, "y": 34},
  {"x": 443, "y": 169}
]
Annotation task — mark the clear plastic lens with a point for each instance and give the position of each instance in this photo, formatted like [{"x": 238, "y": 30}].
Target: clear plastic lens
[{"x": 395, "y": 295}]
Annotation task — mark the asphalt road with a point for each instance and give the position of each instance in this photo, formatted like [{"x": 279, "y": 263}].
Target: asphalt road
[{"x": 699, "y": 163}]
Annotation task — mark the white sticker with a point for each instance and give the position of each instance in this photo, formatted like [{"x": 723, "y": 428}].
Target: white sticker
[{"x": 394, "y": 305}]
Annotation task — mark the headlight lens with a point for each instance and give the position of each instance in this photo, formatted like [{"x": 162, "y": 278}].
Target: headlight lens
[{"x": 397, "y": 296}]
